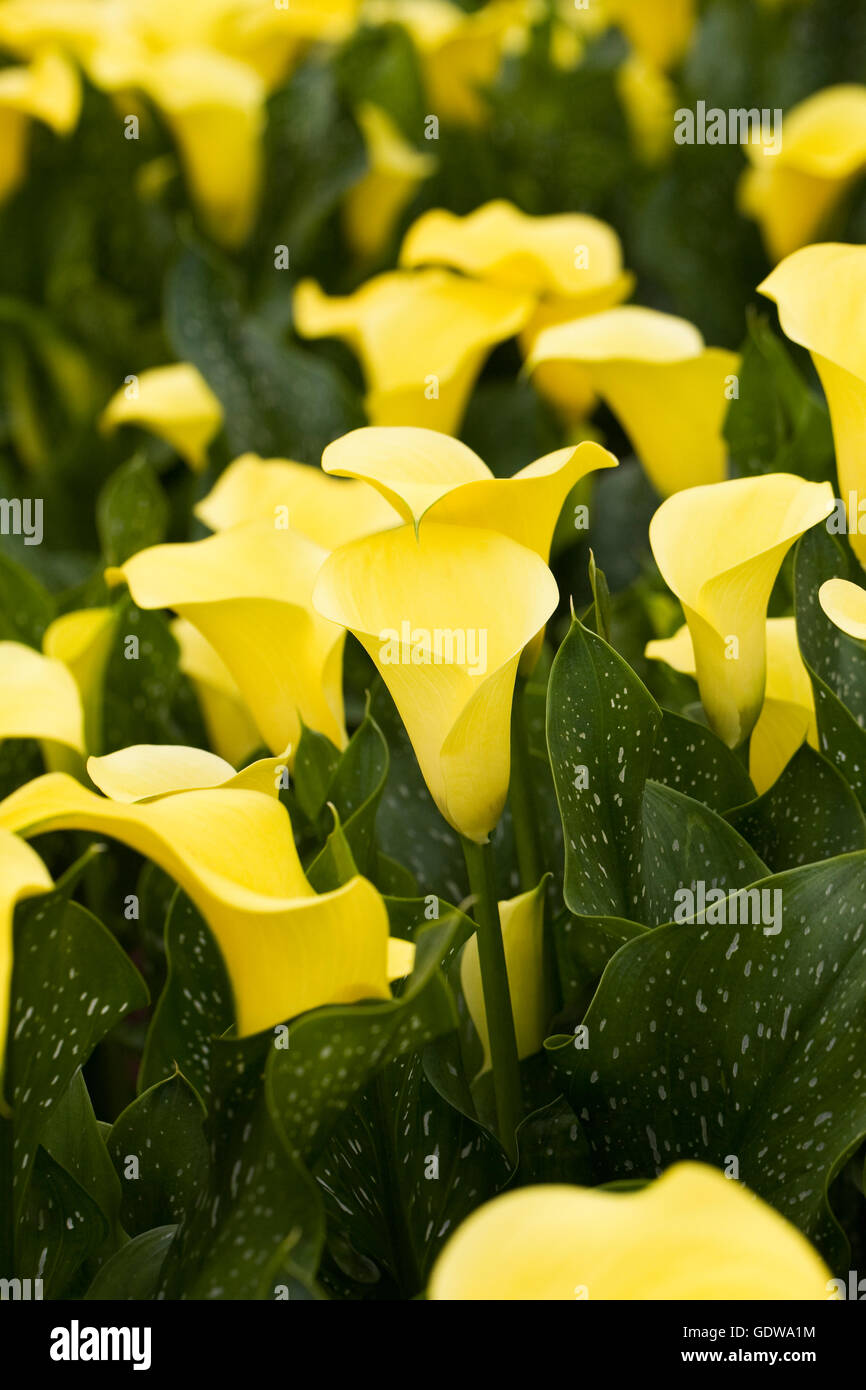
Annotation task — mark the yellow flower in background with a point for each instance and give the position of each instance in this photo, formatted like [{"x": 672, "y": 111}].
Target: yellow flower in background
[
  {"x": 522, "y": 921},
  {"x": 787, "y": 715},
  {"x": 444, "y": 616},
  {"x": 570, "y": 262},
  {"x": 690, "y": 1234},
  {"x": 231, "y": 729},
  {"x": 248, "y": 592},
  {"x": 792, "y": 194},
  {"x": 636, "y": 358},
  {"x": 659, "y": 30},
  {"x": 272, "y": 38},
  {"x": 648, "y": 98},
  {"x": 231, "y": 849},
  {"x": 38, "y": 698},
  {"x": 395, "y": 170},
  {"x": 719, "y": 549},
  {"x": 48, "y": 90},
  {"x": 148, "y": 770},
  {"x": 323, "y": 509},
  {"x": 22, "y": 875},
  {"x": 423, "y": 473},
  {"x": 820, "y": 292},
  {"x": 174, "y": 403},
  {"x": 460, "y": 52},
  {"x": 82, "y": 640},
  {"x": 845, "y": 605},
  {"x": 421, "y": 336}
]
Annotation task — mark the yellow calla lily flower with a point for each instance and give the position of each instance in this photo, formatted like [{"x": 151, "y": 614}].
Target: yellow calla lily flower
[
  {"x": 820, "y": 292},
  {"x": 648, "y": 97},
  {"x": 719, "y": 549},
  {"x": 791, "y": 194},
  {"x": 845, "y": 605},
  {"x": 423, "y": 473},
  {"x": 371, "y": 209},
  {"x": 286, "y": 948},
  {"x": 422, "y": 337},
  {"x": 215, "y": 107},
  {"x": 248, "y": 592},
  {"x": 636, "y": 357},
  {"x": 38, "y": 698},
  {"x": 27, "y": 27},
  {"x": 22, "y": 875},
  {"x": 174, "y": 403},
  {"x": 148, "y": 770},
  {"x": 445, "y": 615},
  {"x": 49, "y": 91},
  {"x": 690, "y": 1234},
  {"x": 787, "y": 715},
  {"x": 660, "y": 30},
  {"x": 460, "y": 52},
  {"x": 271, "y": 39},
  {"x": 82, "y": 640},
  {"x": 522, "y": 921},
  {"x": 231, "y": 730},
  {"x": 323, "y": 509}
]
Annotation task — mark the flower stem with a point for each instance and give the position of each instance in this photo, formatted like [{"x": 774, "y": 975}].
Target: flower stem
[
  {"x": 521, "y": 799},
  {"x": 497, "y": 996}
]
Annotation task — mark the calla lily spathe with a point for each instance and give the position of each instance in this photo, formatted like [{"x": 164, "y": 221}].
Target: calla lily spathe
[
  {"x": 792, "y": 194},
  {"x": 148, "y": 770},
  {"x": 231, "y": 729},
  {"x": 719, "y": 549},
  {"x": 82, "y": 640},
  {"x": 787, "y": 715},
  {"x": 38, "y": 698},
  {"x": 570, "y": 263},
  {"x": 48, "y": 90},
  {"x": 174, "y": 403},
  {"x": 690, "y": 1234},
  {"x": 248, "y": 592},
  {"x": 522, "y": 920},
  {"x": 820, "y": 292},
  {"x": 22, "y": 875},
  {"x": 486, "y": 597},
  {"x": 659, "y": 30},
  {"x": 324, "y": 509},
  {"x": 845, "y": 605},
  {"x": 395, "y": 170},
  {"x": 421, "y": 336},
  {"x": 637, "y": 359},
  {"x": 231, "y": 849}
]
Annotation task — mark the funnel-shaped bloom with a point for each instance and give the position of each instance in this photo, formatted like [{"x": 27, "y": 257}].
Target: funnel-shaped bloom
[
  {"x": 426, "y": 474},
  {"x": 325, "y": 510},
  {"x": 571, "y": 263},
  {"x": 395, "y": 169},
  {"x": 460, "y": 53},
  {"x": 174, "y": 403},
  {"x": 445, "y": 616},
  {"x": 821, "y": 293},
  {"x": 248, "y": 592},
  {"x": 215, "y": 107},
  {"x": 231, "y": 730},
  {"x": 148, "y": 770},
  {"x": 845, "y": 605},
  {"x": 719, "y": 549},
  {"x": 690, "y": 1234},
  {"x": 48, "y": 91},
  {"x": 522, "y": 921},
  {"x": 660, "y": 30},
  {"x": 787, "y": 715},
  {"x": 231, "y": 849},
  {"x": 38, "y": 698},
  {"x": 637, "y": 358},
  {"x": 792, "y": 193},
  {"x": 422, "y": 337},
  {"x": 22, "y": 874},
  {"x": 82, "y": 640}
]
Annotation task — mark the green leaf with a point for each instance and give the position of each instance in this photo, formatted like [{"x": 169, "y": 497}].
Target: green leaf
[
  {"x": 71, "y": 984},
  {"x": 600, "y": 598},
  {"x": 160, "y": 1154},
  {"x": 809, "y": 814},
  {"x": 73, "y": 1139},
  {"x": 60, "y": 1229},
  {"x": 133, "y": 1272},
  {"x": 690, "y": 758},
  {"x": 26, "y": 608},
  {"x": 713, "y": 1041},
  {"x": 146, "y": 698},
  {"x": 131, "y": 511}
]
